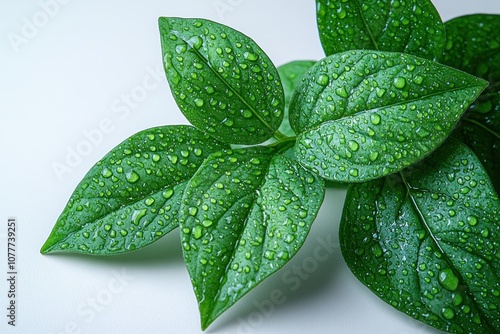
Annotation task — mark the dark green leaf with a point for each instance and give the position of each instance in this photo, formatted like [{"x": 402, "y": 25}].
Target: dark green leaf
[
  {"x": 427, "y": 241},
  {"x": 411, "y": 26},
  {"x": 290, "y": 74},
  {"x": 221, "y": 80},
  {"x": 245, "y": 214},
  {"x": 132, "y": 196},
  {"x": 474, "y": 46},
  {"x": 364, "y": 114}
]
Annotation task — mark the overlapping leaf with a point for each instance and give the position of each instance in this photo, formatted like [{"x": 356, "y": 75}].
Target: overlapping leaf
[
  {"x": 363, "y": 114},
  {"x": 132, "y": 196},
  {"x": 427, "y": 241},
  {"x": 474, "y": 46},
  {"x": 245, "y": 214},
  {"x": 290, "y": 74},
  {"x": 221, "y": 80},
  {"x": 410, "y": 26}
]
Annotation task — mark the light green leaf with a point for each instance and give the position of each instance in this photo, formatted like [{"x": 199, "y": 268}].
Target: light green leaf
[
  {"x": 245, "y": 214},
  {"x": 221, "y": 80},
  {"x": 473, "y": 45},
  {"x": 364, "y": 114},
  {"x": 290, "y": 74},
  {"x": 131, "y": 197},
  {"x": 410, "y": 26},
  {"x": 427, "y": 241}
]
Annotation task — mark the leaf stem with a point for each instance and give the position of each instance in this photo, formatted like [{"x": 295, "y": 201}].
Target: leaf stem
[{"x": 482, "y": 126}]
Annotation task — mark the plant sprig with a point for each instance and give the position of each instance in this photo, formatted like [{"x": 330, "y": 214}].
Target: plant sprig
[{"x": 421, "y": 222}]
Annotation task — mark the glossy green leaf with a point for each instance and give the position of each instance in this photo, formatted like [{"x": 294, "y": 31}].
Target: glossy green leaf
[
  {"x": 290, "y": 74},
  {"x": 410, "y": 26},
  {"x": 132, "y": 196},
  {"x": 364, "y": 114},
  {"x": 427, "y": 241},
  {"x": 474, "y": 46},
  {"x": 221, "y": 80},
  {"x": 245, "y": 214}
]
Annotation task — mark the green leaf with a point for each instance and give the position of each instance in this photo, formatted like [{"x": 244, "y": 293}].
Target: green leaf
[
  {"x": 245, "y": 214},
  {"x": 221, "y": 80},
  {"x": 365, "y": 114},
  {"x": 473, "y": 45},
  {"x": 290, "y": 74},
  {"x": 410, "y": 26},
  {"x": 427, "y": 241},
  {"x": 132, "y": 196}
]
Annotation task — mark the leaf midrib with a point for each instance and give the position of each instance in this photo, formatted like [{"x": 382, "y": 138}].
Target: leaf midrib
[
  {"x": 421, "y": 99},
  {"x": 224, "y": 81},
  {"x": 425, "y": 224}
]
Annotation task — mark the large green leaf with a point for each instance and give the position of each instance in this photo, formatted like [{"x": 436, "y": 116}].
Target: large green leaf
[
  {"x": 245, "y": 214},
  {"x": 410, "y": 26},
  {"x": 474, "y": 46},
  {"x": 221, "y": 80},
  {"x": 131, "y": 197},
  {"x": 290, "y": 74},
  {"x": 364, "y": 114},
  {"x": 427, "y": 241}
]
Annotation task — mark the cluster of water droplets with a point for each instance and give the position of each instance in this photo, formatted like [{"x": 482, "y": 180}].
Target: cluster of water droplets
[
  {"x": 220, "y": 77},
  {"x": 132, "y": 196},
  {"x": 402, "y": 25},
  {"x": 370, "y": 114},
  {"x": 247, "y": 218}
]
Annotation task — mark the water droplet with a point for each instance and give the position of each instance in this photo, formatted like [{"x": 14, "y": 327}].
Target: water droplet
[
  {"x": 193, "y": 211},
  {"x": 353, "y": 145},
  {"x": 199, "y": 102},
  {"x": 448, "y": 280},
  {"x": 373, "y": 156},
  {"x": 323, "y": 80},
  {"x": 149, "y": 201},
  {"x": 137, "y": 215},
  {"x": 250, "y": 56},
  {"x": 196, "y": 42},
  {"x": 472, "y": 220},
  {"x": 207, "y": 223},
  {"x": 132, "y": 176},
  {"x": 168, "y": 193},
  {"x": 246, "y": 113},
  {"x": 156, "y": 157},
  {"x": 375, "y": 119},
  {"x": 399, "y": 82},
  {"x": 448, "y": 313},
  {"x": 341, "y": 91},
  {"x": 197, "y": 231},
  {"x": 106, "y": 173},
  {"x": 354, "y": 172}
]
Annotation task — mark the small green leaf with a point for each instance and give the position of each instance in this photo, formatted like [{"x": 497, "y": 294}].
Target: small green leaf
[
  {"x": 410, "y": 26},
  {"x": 245, "y": 214},
  {"x": 132, "y": 196},
  {"x": 365, "y": 114},
  {"x": 427, "y": 241},
  {"x": 221, "y": 80},
  {"x": 473, "y": 45},
  {"x": 290, "y": 74}
]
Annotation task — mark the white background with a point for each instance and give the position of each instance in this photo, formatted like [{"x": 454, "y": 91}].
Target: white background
[{"x": 69, "y": 69}]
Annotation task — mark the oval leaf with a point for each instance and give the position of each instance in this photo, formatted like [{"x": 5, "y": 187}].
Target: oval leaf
[
  {"x": 364, "y": 114},
  {"x": 474, "y": 46},
  {"x": 221, "y": 79},
  {"x": 132, "y": 196},
  {"x": 245, "y": 214},
  {"x": 411, "y": 26},
  {"x": 427, "y": 241}
]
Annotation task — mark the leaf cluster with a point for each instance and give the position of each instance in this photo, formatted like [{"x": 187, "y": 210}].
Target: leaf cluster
[{"x": 404, "y": 108}]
